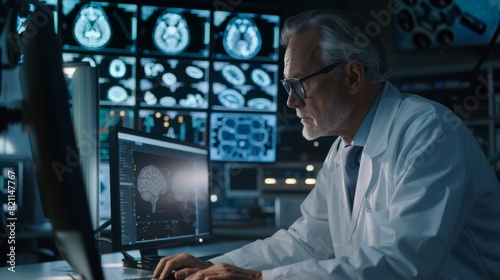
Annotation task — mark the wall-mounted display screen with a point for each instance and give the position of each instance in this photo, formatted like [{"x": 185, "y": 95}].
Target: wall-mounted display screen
[
  {"x": 182, "y": 125},
  {"x": 429, "y": 24},
  {"x": 109, "y": 117},
  {"x": 246, "y": 36},
  {"x": 244, "y": 86},
  {"x": 174, "y": 31},
  {"x": 117, "y": 80},
  {"x": 243, "y": 137},
  {"x": 98, "y": 26},
  {"x": 174, "y": 83}
]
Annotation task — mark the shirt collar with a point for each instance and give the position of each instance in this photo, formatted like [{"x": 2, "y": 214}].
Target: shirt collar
[{"x": 364, "y": 129}]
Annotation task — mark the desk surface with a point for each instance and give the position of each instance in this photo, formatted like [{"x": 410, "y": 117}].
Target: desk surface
[{"x": 112, "y": 263}]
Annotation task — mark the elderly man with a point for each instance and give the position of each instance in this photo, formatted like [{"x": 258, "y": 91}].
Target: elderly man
[{"x": 404, "y": 193}]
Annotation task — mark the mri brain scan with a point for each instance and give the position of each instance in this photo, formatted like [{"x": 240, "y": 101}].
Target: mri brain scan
[
  {"x": 236, "y": 137},
  {"x": 171, "y": 33},
  {"x": 117, "y": 68},
  {"x": 151, "y": 184},
  {"x": 242, "y": 38},
  {"x": 91, "y": 28}
]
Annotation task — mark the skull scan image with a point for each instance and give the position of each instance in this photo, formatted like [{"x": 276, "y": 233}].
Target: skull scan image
[
  {"x": 151, "y": 183},
  {"x": 92, "y": 29},
  {"x": 171, "y": 33},
  {"x": 242, "y": 38}
]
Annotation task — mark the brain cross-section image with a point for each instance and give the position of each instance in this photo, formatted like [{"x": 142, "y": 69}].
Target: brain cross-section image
[
  {"x": 92, "y": 29},
  {"x": 171, "y": 33},
  {"x": 242, "y": 137},
  {"x": 165, "y": 196},
  {"x": 151, "y": 184},
  {"x": 242, "y": 38}
]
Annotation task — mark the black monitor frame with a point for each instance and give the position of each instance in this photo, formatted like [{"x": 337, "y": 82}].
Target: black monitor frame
[
  {"x": 46, "y": 113},
  {"x": 148, "y": 250}
]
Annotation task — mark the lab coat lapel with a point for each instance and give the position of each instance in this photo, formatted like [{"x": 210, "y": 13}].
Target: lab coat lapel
[{"x": 375, "y": 145}]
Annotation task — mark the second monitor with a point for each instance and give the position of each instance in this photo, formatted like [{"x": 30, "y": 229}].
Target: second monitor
[{"x": 159, "y": 191}]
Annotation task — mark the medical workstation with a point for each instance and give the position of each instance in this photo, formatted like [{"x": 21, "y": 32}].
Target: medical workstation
[{"x": 175, "y": 126}]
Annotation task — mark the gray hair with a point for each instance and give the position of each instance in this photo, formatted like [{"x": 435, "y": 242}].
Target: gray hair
[{"x": 342, "y": 39}]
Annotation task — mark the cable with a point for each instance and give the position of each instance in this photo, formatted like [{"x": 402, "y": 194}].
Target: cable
[{"x": 475, "y": 70}]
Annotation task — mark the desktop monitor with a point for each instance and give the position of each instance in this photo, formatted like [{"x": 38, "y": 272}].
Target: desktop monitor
[
  {"x": 159, "y": 192},
  {"x": 46, "y": 113},
  {"x": 242, "y": 179}
]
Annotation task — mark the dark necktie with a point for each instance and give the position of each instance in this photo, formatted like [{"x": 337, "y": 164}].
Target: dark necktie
[{"x": 352, "y": 169}]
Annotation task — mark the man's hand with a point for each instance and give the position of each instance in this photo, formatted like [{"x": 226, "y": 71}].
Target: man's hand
[
  {"x": 223, "y": 271},
  {"x": 183, "y": 263}
]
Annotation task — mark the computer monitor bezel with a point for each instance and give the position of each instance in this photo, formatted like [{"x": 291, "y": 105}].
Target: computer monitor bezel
[{"x": 149, "y": 247}]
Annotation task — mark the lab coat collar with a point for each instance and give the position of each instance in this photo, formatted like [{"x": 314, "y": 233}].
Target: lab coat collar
[{"x": 376, "y": 143}]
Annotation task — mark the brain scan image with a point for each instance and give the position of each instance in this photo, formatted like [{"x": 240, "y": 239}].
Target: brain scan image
[
  {"x": 233, "y": 75},
  {"x": 92, "y": 29},
  {"x": 151, "y": 184},
  {"x": 175, "y": 83},
  {"x": 242, "y": 39},
  {"x": 117, "y": 94},
  {"x": 231, "y": 99},
  {"x": 171, "y": 33},
  {"x": 117, "y": 68},
  {"x": 244, "y": 86},
  {"x": 261, "y": 77},
  {"x": 238, "y": 137},
  {"x": 150, "y": 98}
]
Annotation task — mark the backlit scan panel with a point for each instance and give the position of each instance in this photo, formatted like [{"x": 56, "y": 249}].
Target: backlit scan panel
[
  {"x": 116, "y": 77},
  {"x": 109, "y": 117},
  {"x": 243, "y": 137},
  {"x": 244, "y": 86},
  {"x": 182, "y": 125},
  {"x": 246, "y": 36},
  {"x": 98, "y": 26},
  {"x": 174, "y": 31},
  {"x": 174, "y": 83}
]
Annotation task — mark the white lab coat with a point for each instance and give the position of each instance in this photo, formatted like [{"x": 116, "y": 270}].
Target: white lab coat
[{"x": 427, "y": 206}]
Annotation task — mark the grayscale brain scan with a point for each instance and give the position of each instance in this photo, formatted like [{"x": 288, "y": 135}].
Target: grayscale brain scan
[
  {"x": 171, "y": 33},
  {"x": 242, "y": 38},
  {"x": 92, "y": 29},
  {"x": 233, "y": 75},
  {"x": 151, "y": 184},
  {"x": 231, "y": 98}
]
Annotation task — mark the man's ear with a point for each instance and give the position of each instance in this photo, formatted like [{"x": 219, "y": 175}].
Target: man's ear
[{"x": 355, "y": 72}]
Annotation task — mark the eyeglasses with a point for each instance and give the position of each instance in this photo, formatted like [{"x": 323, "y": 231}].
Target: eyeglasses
[{"x": 296, "y": 84}]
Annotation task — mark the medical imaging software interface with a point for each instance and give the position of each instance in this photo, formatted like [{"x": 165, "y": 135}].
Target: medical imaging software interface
[{"x": 163, "y": 190}]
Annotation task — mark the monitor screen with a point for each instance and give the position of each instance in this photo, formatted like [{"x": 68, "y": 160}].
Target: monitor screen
[
  {"x": 245, "y": 36},
  {"x": 174, "y": 83},
  {"x": 159, "y": 190},
  {"x": 116, "y": 76},
  {"x": 189, "y": 126},
  {"x": 98, "y": 26},
  {"x": 243, "y": 137},
  {"x": 245, "y": 86},
  {"x": 431, "y": 24},
  {"x": 242, "y": 179},
  {"x": 174, "y": 31}
]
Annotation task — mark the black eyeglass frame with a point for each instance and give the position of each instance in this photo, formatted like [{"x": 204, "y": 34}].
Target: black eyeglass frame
[{"x": 293, "y": 83}]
